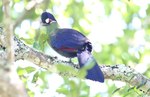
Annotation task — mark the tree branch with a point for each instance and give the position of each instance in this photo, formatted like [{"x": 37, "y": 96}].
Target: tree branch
[
  {"x": 117, "y": 72},
  {"x": 30, "y": 6},
  {"x": 9, "y": 33},
  {"x": 9, "y": 87}
]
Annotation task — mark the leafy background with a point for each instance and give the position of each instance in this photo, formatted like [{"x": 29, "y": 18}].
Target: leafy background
[{"x": 118, "y": 29}]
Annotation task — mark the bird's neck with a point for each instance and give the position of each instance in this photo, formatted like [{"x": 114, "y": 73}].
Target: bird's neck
[{"x": 52, "y": 28}]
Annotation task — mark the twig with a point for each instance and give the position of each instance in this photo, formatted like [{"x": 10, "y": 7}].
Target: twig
[{"x": 31, "y": 5}]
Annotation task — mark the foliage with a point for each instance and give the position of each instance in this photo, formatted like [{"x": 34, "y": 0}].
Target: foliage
[{"x": 126, "y": 34}]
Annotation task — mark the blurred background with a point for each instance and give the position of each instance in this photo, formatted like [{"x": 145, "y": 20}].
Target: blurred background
[{"x": 118, "y": 29}]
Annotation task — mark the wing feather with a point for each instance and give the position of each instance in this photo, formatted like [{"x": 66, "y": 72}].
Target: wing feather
[{"x": 68, "y": 40}]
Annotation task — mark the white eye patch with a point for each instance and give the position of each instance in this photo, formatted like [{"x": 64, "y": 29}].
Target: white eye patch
[{"x": 47, "y": 20}]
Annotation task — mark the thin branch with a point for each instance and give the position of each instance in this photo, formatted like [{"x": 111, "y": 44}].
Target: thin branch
[
  {"x": 30, "y": 6},
  {"x": 9, "y": 33}
]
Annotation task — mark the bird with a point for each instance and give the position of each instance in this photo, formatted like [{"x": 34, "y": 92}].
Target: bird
[{"x": 71, "y": 43}]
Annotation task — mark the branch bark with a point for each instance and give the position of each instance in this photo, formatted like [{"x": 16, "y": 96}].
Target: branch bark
[
  {"x": 117, "y": 72},
  {"x": 8, "y": 86}
]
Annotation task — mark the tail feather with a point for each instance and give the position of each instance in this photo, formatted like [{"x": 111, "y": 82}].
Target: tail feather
[{"x": 95, "y": 72}]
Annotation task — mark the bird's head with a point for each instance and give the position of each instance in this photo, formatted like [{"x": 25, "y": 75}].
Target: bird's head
[{"x": 47, "y": 18}]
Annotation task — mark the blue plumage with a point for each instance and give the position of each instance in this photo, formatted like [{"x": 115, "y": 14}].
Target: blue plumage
[
  {"x": 66, "y": 43},
  {"x": 71, "y": 43},
  {"x": 85, "y": 58}
]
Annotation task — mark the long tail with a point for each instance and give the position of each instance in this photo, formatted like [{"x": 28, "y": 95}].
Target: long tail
[{"x": 95, "y": 73}]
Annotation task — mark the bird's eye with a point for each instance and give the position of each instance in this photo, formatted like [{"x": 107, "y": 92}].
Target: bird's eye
[{"x": 47, "y": 20}]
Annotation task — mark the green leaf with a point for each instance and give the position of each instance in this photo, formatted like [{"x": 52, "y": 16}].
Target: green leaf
[
  {"x": 28, "y": 41},
  {"x": 65, "y": 68},
  {"x": 21, "y": 71},
  {"x": 116, "y": 90},
  {"x": 36, "y": 45},
  {"x": 62, "y": 90},
  {"x": 30, "y": 69},
  {"x": 83, "y": 71},
  {"x": 31, "y": 93},
  {"x": 35, "y": 77}
]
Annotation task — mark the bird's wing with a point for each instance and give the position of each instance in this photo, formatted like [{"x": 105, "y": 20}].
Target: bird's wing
[{"x": 68, "y": 40}]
